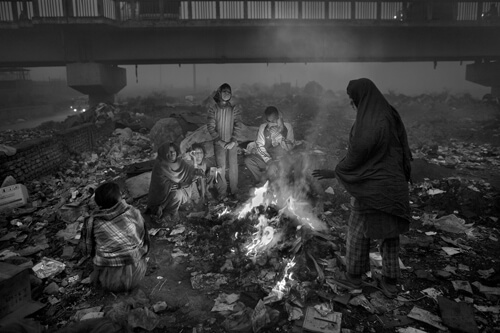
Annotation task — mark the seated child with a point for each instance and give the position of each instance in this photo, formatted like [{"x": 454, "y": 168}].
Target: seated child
[{"x": 211, "y": 186}]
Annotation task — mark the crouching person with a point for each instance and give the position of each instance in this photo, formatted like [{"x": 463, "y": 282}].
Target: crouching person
[
  {"x": 116, "y": 238},
  {"x": 210, "y": 187}
]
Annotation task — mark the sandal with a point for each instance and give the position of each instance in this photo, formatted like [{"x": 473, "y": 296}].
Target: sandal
[{"x": 390, "y": 290}]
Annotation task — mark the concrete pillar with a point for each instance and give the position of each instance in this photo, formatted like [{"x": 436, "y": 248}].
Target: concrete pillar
[
  {"x": 101, "y": 82},
  {"x": 486, "y": 74}
]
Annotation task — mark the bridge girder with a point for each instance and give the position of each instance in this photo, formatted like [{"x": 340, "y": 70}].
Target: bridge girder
[{"x": 59, "y": 44}]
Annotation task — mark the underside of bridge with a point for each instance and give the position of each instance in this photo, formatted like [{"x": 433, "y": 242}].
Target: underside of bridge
[
  {"x": 100, "y": 81},
  {"x": 485, "y": 73},
  {"x": 93, "y": 52}
]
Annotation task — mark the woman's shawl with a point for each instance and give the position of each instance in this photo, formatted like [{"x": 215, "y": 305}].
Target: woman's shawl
[
  {"x": 377, "y": 168},
  {"x": 166, "y": 177}
]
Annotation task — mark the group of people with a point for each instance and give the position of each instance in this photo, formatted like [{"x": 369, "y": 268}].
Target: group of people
[{"x": 375, "y": 172}]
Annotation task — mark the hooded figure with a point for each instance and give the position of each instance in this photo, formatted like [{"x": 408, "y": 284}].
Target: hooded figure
[
  {"x": 170, "y": 185},
  {"x": 376, "y": 169},
  {"x": 117, "y": 239},
  {"x": 375, "y": 172},
  {"x": 224, "y": 125}
]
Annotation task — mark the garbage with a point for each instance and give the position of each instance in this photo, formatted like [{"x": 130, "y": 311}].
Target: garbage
[
  {"x": 361, "y": 300},
  {"x": 432, "y": 293},
  {"x": 208, "y": 281},
  {"x": 160, "y": 306},
  {"x": 315, "y": 321},
  {"x": 143, "y": 318},
  {"x": 426, "y": 317},
  {"x": 410, "y": 330},
  {"x": 81, "y": 313},
  {"x": 240, "y": 322},
  {"x": 225, "y": 302},
  {"x": 457, "y": 316},
  {"x": 48, "y": 268},
  {"x": 452, "y": 223},
  {"x": 13, "y": 196},
  {"x": 451, "y": 251},
  {"x": 485, "y": 274},
  {"x": 462, "y": 285},
  {"x": 486, "y": 289}
]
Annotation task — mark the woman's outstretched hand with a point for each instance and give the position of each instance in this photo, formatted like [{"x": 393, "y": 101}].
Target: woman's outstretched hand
[{"x": 323, "y": 173}]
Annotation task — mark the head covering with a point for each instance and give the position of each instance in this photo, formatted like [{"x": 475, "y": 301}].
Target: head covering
[
  {"x": 377, "y": 166},
  {"x": 217, "y": 96},
  {"x": 164, "y": 150}
]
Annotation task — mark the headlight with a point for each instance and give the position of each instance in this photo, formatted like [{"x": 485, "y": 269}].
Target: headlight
[{"x": 74, "y": 110}]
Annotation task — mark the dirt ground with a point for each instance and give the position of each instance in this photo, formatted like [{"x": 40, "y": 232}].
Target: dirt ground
[{"x": 455, "y": 142}]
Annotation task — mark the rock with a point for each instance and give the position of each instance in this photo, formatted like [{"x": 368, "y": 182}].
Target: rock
[
  {"x": 165, "y": 130},
  {"x": 51, "y": 289},
  {"x": 138, "y": 186},
  {"x": 160, "y": 306}
]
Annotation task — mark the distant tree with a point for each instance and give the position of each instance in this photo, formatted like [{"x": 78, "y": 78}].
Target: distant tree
[{"x": 313, "y": 88}]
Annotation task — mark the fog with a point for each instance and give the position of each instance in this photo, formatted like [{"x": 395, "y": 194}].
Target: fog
[{"x": 402, "y": 78}]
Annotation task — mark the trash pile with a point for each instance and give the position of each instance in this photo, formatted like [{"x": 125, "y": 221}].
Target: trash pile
[{"x": 260, "y": 266}]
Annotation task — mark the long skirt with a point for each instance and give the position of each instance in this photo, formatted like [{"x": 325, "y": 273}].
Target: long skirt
[{"x": 119, "y": 278}]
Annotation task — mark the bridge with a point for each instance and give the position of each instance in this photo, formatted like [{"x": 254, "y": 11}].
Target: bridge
[{"x": 93, "y": 37}]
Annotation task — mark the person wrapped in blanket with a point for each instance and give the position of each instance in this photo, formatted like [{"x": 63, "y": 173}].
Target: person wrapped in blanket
[
  {"x": 274, "y": 141},
  {"x": 116, "y": 237},
  {"x": 170, "y": 185},
  {"x": 210, "y": 187},
  {"x": 375, "y": 172}
]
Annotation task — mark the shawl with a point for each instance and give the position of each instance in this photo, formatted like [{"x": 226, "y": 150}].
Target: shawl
[
  {"x": 164, "y": 175},
  {"x": 117, "y": 235},
  {"x": 377, "y": 168}
]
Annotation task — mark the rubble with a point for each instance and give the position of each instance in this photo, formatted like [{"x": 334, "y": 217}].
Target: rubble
[{"x": 286, "y": 281}]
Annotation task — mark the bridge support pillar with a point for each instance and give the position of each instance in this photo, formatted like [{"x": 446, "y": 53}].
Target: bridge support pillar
[
  {"x": 486, "y": 74},
  {"x": 101, "y": 82}
]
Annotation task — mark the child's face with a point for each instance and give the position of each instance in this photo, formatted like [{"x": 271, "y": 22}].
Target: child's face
[
  {"x": 225, "y": 94},
  {"x": 198, "y": 155}
]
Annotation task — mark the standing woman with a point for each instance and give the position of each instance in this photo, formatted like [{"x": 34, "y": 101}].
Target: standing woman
[{"x": 375, "y": 172}]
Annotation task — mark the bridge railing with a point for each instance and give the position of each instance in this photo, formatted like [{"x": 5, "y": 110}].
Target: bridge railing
[{"x": 125, "y": 10}]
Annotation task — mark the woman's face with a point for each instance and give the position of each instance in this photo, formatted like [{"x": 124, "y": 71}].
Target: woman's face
[
  {"x": 353, "y": 105},
  {"x": 172, "y": 154}
]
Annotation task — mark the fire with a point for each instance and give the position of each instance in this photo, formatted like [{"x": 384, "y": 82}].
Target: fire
[
  {"x": 262, "y": 237},
  {"x": 224, "y": 212},
  {"x": 257, "y": 200},
  {"x": 281, "y": 288}
]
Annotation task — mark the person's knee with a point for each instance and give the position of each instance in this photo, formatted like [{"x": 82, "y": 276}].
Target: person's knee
[{"x": 248, "y": 161}]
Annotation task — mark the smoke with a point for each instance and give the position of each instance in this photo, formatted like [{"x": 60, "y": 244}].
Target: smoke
[{"x": 296, "y": 192}]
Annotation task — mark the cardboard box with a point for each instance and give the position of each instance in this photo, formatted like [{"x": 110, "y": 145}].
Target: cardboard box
[
  {"x": 15, "y": 289},
  {"x": 13, "y": 196}
]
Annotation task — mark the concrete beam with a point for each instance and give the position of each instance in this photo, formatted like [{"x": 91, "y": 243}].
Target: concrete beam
[
  {"x": 59, "y": 45},
  {"x": 101, "y": 82},
  {"x": 485, "y": 73}
]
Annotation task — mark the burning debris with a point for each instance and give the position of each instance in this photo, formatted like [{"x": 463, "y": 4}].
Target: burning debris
[{"x": 271, "y": 262}]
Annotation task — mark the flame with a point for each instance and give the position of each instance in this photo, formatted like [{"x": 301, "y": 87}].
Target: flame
[
  {"x": 281, "y": 287},
  {"x": 257, "y": 200},
  {"x": 254, "y": 246},
  {"x": 224, "y": 212}
]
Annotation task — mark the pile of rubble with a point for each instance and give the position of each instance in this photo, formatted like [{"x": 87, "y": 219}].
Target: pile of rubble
[{"x": 263, "y": 266}]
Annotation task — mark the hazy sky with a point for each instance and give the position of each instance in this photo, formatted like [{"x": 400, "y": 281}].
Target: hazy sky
[{"x": 405, "y": 78}]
